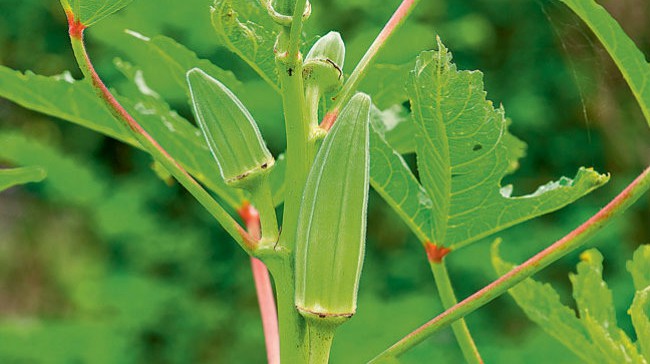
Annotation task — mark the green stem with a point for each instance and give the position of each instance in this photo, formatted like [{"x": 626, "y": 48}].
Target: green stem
[
  {"x": 262, "y": 197},
  {"x": 152, "y": 146},
  {"x": 300, "y": 151},
  {"x": 448, "y": 297},
  {"x": 399, "y": 17},
  {"x": 321, "y": 336},
  {"x": 293, "y": 329},
  {"x": 567, "y": 244}
]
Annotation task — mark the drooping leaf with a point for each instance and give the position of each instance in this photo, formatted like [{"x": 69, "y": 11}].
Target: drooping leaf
[
  {"x": 246, "y": 29},
  {"x": 393, "y": 180},
  {"x": 628, "y": 58},
  {"x": 542, "y": 305},
  {"x": 160, "y": 55},
  {"x": 89, "y": 12},
  {"x": 464, "y": 150},
  {"x": 76, "y": 101},
  {"x": 20, "y": 176},
  {"x": 590, "y": 292}
]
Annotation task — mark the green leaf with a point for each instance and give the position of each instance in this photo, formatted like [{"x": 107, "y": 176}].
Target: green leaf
[
  {"x": 594, "y": 337},
  {"x": 542, "y": 305},
  {"x": 393, "y": 180},
  {"x": 89, "y": 12},
  {"x": 613, "y": 345},
  {"x": 387, "y": 84},
  {"x": 245, "y": 28},
  {"x": 20, "y": 176},
  {"x": 160, "y": 55},
  {"x": 76, "y": 101},
  {"x": 590, "y": 292},
  {"x": 640, "y": 311},
  {"x": 628, "y": 58},
  {"x": 396, "y": 126},
  {"x": 464, "y": 150},
  {"x": 639, "y": 267}
]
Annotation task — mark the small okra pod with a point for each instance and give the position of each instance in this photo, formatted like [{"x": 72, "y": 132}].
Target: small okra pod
[
  {"x": 332, "y": 223},
  {"x": 324, "y": 63},
  {"x": 230, "y": 131}
]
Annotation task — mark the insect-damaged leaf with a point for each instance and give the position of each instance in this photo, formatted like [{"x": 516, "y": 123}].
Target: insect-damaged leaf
[
  {"x": 464, "y": 150},
  {"x": 19, "y": 176},
  {"x": 89, "y": 12}
]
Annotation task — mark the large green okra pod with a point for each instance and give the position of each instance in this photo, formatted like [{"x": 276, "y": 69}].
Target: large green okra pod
[{"x": 332, "y": 224}]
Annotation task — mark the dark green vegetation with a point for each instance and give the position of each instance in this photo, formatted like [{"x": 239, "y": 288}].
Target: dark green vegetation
[{"x": 105, "y": 261}]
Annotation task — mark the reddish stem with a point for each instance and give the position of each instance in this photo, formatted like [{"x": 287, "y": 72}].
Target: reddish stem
[{"x": 265, "y": 296}]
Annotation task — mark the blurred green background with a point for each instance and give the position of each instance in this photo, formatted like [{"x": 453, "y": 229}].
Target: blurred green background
[{"x": 104, "y": 263}]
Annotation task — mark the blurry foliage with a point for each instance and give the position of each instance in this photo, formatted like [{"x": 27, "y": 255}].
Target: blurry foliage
[{"x": 102, "y": 262}]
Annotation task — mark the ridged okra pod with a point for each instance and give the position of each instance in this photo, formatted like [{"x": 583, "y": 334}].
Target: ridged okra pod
[
  {"x": 332, "y": 224},
  {"x": 230, "y": 131}
]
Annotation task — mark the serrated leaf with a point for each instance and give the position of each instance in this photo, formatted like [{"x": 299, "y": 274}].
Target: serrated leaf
[
  {"x": 542, "y": 305},
  {"x": 628, "y": 58},
  {"x": 639, "y": 267},
  {"x": 464, "y": 150},
  {"x": 612, "y": 344},
  {"x": 247, "y": 30},
  {"x": 640, "y": 313},
  {"x": 160, "y": 55},
  {"x": 590, "y": 291},
  {"x": 76, "y": 101},
  {"x": 391, "y": 177},
  {"x": 89, "y": 12},
  {"x": 20, "y": 176}
]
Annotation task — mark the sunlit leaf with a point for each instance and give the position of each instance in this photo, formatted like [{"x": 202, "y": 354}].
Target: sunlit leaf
[
  {"x": 594, "y": 337},
  {"x": 640, "y": 313},
  {"x": 246, "y": 29},
  {"x": 629, "y": 59},
  {"x": 20, "y": 176},
  {"x": 464, "y": 150},
  {"x": 76, "y": 101},
  {"x": 397, "y": 127},
  {"x": 542, "y": 305},
  {"x": 639, "y": 267},
  {"x": 89, "y": 12},
  {"x": 590, "y": 292}
]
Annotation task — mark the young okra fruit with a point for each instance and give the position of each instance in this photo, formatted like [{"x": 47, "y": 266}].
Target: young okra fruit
[
  {"x": 332, "y": 224},
  {"x": 230, "y": 131}
]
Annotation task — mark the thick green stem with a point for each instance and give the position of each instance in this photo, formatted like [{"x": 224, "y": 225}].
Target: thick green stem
[
  {"x": 448, "y": 298},
  {"x": 151, "y": 145},
  {"x": 562, "y": 247},
  {"x": 293, "y": 329}
]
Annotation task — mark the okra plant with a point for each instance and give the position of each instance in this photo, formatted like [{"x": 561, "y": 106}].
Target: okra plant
[{"x": 340, "y": 143}]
